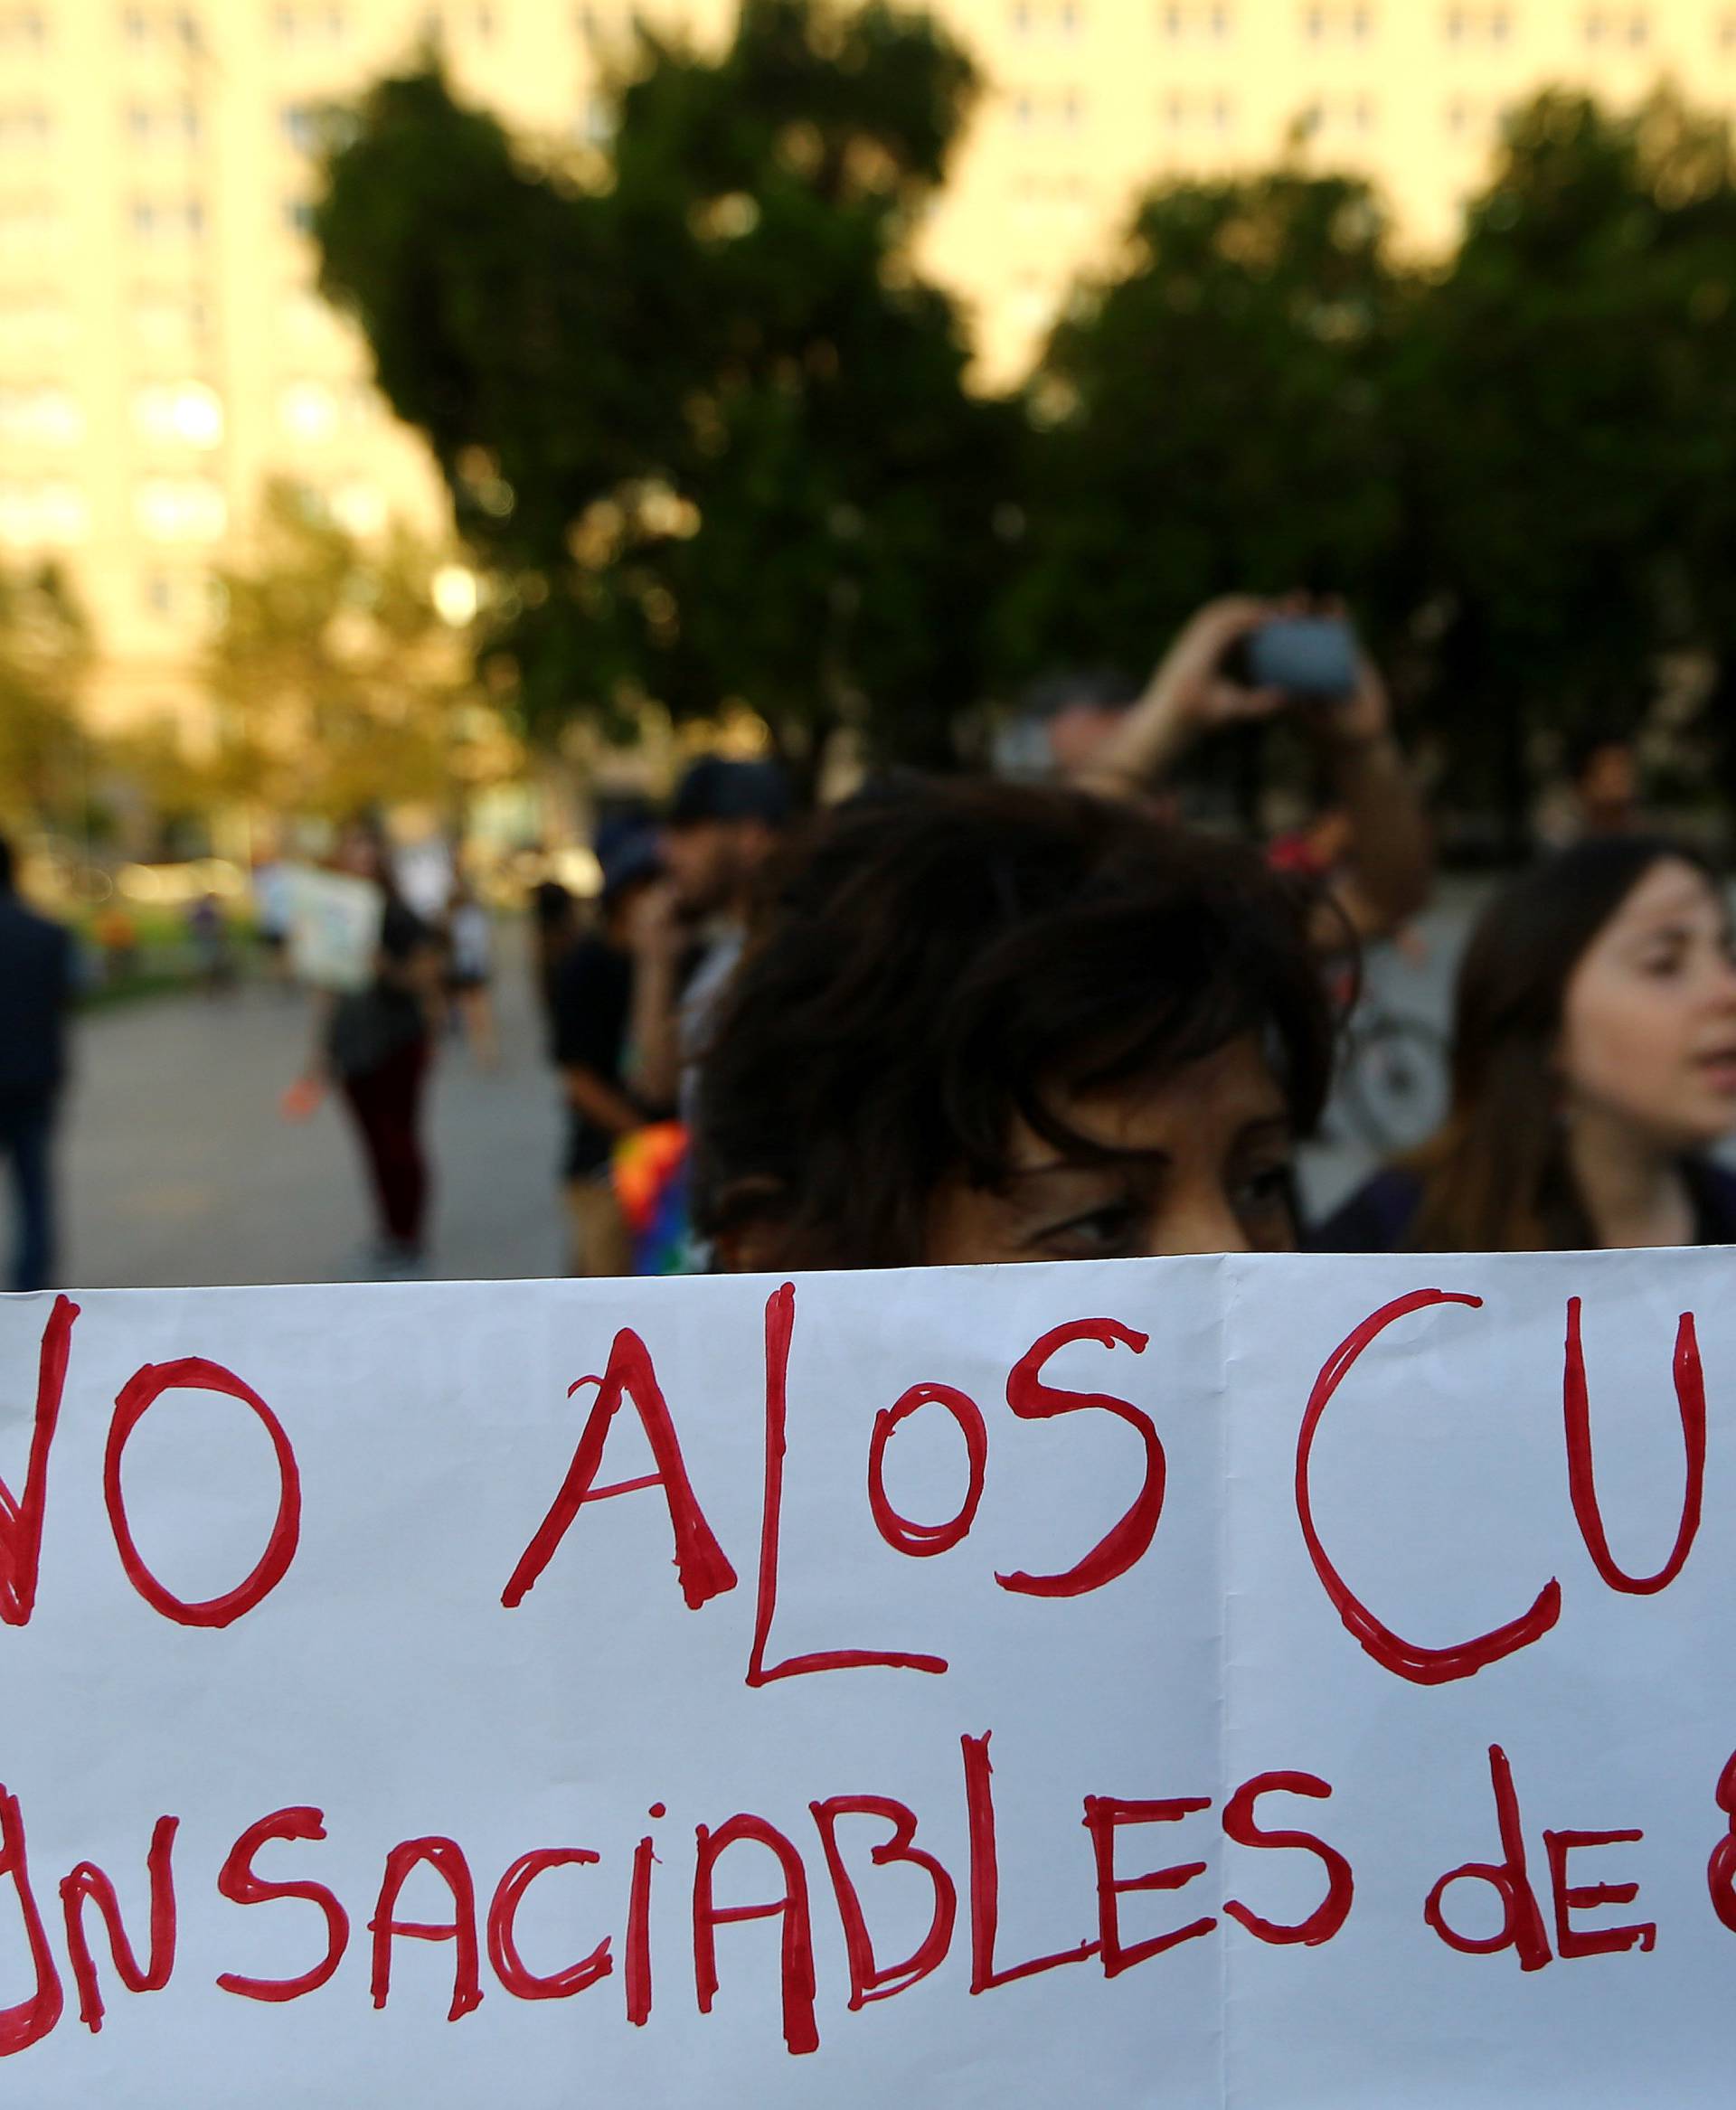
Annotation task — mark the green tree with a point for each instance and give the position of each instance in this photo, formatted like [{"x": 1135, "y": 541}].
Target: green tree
[
  {"x": 45, "y": 653},
  {"x": 1566, "y": 395},
  {"x": 1212, "y": 418},
  {"x": 694, "y": 407},
  {"x": 337, "y": 684}
]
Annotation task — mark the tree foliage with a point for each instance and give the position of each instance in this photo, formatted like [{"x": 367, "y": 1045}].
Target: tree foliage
[
  {"x": 1568, "y": 399},
  {"x": 338, "y": 685},
  {"x": 710, "y": 434},
  {"x": 1213, "y": 418},
  {"x": 45, "y": 654},
  {"x": 695, "y": 411}
]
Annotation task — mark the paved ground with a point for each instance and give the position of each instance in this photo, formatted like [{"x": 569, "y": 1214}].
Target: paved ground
[{"x": 177, "y": 1168}]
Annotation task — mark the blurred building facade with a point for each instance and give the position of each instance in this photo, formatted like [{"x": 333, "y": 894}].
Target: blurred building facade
[{"x": 163, "y": 352}]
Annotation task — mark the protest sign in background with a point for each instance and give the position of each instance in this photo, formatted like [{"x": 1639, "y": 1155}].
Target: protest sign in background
[
  {"x": 1020, "y": 1686},
  {"x": 334, "y": 927}
]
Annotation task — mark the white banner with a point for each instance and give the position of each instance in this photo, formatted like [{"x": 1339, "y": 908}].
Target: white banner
[
  {"x": 1278, "y": 1682},
  {"x": 335, "y": 922}
]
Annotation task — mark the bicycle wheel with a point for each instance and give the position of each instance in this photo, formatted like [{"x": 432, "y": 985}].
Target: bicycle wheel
[{"x": 1393, "y": 1085}]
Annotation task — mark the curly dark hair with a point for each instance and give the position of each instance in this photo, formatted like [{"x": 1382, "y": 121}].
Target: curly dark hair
[{"x": 933, "y": 965}]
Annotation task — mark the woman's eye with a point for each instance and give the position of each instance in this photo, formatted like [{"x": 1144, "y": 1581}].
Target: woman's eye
[
  {"x": 1095, "y": 1233},
  {"x": 1267, "y": 1188}
]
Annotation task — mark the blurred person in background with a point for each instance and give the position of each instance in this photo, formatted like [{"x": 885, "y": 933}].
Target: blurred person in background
[
  {"x": 1600, "y": 792},
  {"x": 1381, "y": 858},
  {"x": 991, "y": 1023},
  {"x": 37, "y": 974},
  {"x": 213, "y": 962},
  {"x": 375, "y": 1043},
  {"x": 554, "y": 929},
  {"x": 593, "y": 1001},
  {"x": 272, "y": 915},
  {"x": 1594, "y": 1065},
  {"x": 469, "y": 969},
  {"x": 723, "y": 824}
]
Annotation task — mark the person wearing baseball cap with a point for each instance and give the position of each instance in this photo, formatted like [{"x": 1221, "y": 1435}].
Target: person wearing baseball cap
[{"x": 723, "y": 823}]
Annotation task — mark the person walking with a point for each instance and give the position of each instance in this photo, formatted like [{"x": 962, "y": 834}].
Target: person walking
[
  {"x": 375, "y": 1041},
  {"x": 36, "y": 986}
]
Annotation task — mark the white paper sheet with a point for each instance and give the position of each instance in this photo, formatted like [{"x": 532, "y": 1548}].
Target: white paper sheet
[{"x": 370, "y": 1682}]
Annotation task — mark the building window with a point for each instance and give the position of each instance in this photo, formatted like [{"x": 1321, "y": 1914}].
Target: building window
[
  {"x": 1054, "y": 112},
  {"x": 166, "y": 322},
  {"x": 29, "y": 224},
  {"x": 1195, "y": 21},
  {"x": 40, "y": 417},
  {"x": 1062, "y": 20},
  {"x": 33, "y": 324},
  {"x": 180, "y": 413},
  {"x": 43, "y": 516},
  {"x": 152, "y": 28},
  {"x": 25, "y": 129},
  {"x": 163, "y": 220},
  {"x": 1604, "y": 25},
  {"x": 166, "y": 124},
  {"x": 1341, "y": 117},
  {"x": 1477, "y": 25},
  {"x": 312, "y": 27},
  {"x": 1198, "y": 114},
  {"x": 1343, "y": 21},
  {"x": 180, "y": 509}
]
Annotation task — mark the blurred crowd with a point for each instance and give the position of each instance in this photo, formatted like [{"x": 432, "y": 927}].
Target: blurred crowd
[{"x": 1037, "y": 1015}]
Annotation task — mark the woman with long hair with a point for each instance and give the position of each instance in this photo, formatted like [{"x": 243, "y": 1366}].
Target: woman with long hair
[
  {"x": 1594, "y": 1065},
  {"x": 991, "y": 1023}
]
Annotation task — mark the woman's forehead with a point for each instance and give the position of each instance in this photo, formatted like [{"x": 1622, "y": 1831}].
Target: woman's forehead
[{"x": 1224, "y": 1092}]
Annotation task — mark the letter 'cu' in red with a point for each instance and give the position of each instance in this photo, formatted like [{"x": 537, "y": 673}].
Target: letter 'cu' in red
[
  {"x": 700, "y": 1561},
  {"x": 237, "y": 1883},
  {"x": 801, "y": 2033},
  {"x": 89, "y": 1884},
  {"x": 1125, "y": 1543},
  {"x": 1422, "y": 1666},
  {"x": 141, "y": 1392},
  {"x": 868, "y": 1979}
]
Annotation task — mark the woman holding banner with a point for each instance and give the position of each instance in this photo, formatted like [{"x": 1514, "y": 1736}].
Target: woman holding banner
[
  {"x": 1594, "y": 1065},
  {"x": 993, "y": 1022}
]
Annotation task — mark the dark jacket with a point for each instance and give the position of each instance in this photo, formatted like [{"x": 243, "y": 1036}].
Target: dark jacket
[
  {"x": 35, "y": 990},
  {"x": 1378, "y": 1216}
]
